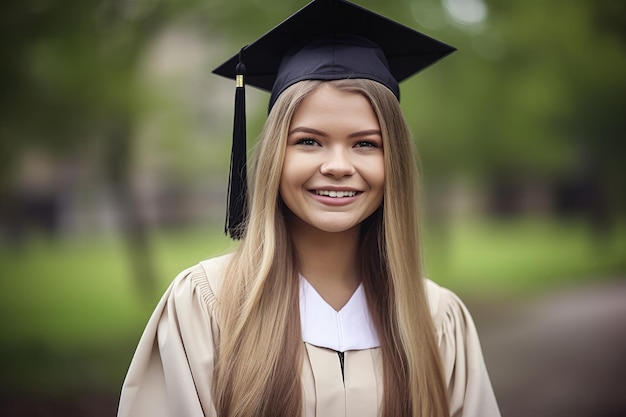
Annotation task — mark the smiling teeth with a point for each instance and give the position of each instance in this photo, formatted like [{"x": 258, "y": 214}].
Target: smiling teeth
[{"x": 336, "y": 194}]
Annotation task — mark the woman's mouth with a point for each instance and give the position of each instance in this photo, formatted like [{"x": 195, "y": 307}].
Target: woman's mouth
[{"x": 335, "y": 194}]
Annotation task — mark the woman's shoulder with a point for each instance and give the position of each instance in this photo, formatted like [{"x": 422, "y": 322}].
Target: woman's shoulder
[
  {"x": 171, "y": 371},
  {"x": 202, "y": 279},
  {"x": 469, "y": 388},
  {"x": 446, "y": 307},
  {"x": 213, "y": 270}
]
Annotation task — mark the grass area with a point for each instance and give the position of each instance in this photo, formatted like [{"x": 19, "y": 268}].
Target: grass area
[
  {"x": 512, "y": 258},
  {"x": 71, "y": 312},
  {"x": 71, "y": 315}
]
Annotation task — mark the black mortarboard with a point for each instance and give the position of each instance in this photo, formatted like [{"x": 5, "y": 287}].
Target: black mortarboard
[{"x": 325, "y": 40}]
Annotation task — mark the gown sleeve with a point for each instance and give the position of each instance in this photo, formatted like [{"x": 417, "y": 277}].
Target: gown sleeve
[
  {"x": 172, "y": 370},
  {"x": 469, "y": 388}
]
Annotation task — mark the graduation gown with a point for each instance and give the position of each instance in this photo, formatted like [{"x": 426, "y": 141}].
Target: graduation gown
[{"x": 172, "y": 370}]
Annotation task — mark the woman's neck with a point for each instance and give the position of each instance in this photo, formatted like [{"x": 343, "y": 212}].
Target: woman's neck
[{"x": 328, "y": 261}]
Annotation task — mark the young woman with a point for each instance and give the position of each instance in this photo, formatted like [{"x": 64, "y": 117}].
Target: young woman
[{"x": 322, "y": 310}]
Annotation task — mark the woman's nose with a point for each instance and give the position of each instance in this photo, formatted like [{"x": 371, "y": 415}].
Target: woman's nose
[{"x": 337, "y": 164}]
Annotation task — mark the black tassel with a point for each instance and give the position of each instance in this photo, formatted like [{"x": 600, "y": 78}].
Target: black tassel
[{"x": 237, "y": 209}]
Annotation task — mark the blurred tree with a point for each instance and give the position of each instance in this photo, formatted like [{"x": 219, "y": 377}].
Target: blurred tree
[
  {"x": 70, "y": 79},
  {"x": 537, "y": 92},
  {"x": 565, "y": 73},
  {"x": 599, "y": 122}
]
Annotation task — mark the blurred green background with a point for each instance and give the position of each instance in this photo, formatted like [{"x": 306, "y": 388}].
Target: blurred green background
[{"x": 114, "y": 149}]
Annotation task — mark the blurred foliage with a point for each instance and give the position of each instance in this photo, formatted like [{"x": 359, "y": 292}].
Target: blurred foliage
[{"x": 534, "y": 88}]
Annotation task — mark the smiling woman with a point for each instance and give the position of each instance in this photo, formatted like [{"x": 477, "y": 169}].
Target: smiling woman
[
  {"x": 333, "y": 173},
  {"x": 322, "y": 310}
]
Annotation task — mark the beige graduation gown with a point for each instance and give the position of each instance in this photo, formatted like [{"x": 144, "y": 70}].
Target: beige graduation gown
[{"x": 171, "y": 372}]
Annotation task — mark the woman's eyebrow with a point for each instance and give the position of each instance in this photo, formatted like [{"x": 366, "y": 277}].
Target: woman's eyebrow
[
  {"x": 310, "y": 130},
  {"x": 303, "y": 129},
  {"x": 370, "y": 132}
]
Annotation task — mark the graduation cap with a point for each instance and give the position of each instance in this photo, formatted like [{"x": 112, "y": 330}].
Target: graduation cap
[{"x": 325, "y": 40}]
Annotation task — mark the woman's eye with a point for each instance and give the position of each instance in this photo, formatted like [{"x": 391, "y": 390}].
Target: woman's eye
[
  {"x": 306, "y": 142},
  {"x": 366, "y": 144}
]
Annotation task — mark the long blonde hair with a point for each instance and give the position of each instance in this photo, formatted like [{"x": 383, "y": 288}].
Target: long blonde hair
[{"x": 260, "y": 351}]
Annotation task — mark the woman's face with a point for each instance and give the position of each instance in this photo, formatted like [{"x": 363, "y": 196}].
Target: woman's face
[{"x": 333, "y": 173}]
